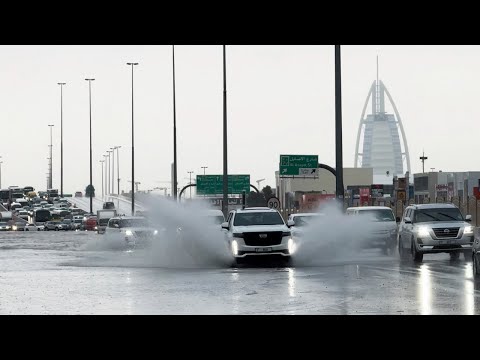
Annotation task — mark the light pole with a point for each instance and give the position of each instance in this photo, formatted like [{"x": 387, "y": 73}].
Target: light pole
[
  {"x": 190, "y": 172},
  {"x": 1, "y": 162},
  {"x": 113, "y": 169},
  {"x": 118, "y": 169},
  {"x": 90, "y": 103},
  {"x": 105, "y": 161},
  {"x": 204, "y": 167},
  {"x": 225, "y": 162},
  {"x": 132, "y": 64},
  {"x": 174, "y": 185},
  {"x": 108, "y": 176},
  {"x": 101, "y": 162},
  {"x": 50, "y": 182},
  {"x": 338, "y": 126},
  {"x": 61, "y": 138}
]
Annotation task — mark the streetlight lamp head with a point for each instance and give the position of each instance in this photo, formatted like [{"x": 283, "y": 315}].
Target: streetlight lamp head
[
  {"x": 90, "y": 79},
  {"x": 132, "y": 63},
  {"x": 61, "y": 83}
]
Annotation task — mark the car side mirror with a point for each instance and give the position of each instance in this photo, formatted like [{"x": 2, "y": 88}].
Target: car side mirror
[
  {"x": 290, "y": 223},
  {"x": 225, "y": 225},
  {"x": 408, "y": 220},
  {"x": 468, "y": 218},
  {"x": 398, "y": 219}
]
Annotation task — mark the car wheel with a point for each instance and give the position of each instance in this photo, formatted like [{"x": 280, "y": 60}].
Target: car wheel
[
  {"x": 26, "y": 229},
  {"x": 454, "y": 255},
  {"x": 467, "y": 255},
  {"x": 476, "y": 270},
  {"x": 416, "y": 256}
]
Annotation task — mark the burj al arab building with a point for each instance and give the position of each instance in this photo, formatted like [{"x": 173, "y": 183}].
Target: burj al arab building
[{"x": 381, "y": 142}]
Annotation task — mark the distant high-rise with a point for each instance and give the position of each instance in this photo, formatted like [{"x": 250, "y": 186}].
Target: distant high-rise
[{"x": 384, "y": 145}]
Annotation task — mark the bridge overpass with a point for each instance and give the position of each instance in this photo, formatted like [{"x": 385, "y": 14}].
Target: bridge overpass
[{"x": 123, "y": 205}]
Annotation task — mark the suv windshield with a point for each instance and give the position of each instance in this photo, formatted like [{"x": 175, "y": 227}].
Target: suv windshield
[
  {"x": 258, "y": 218},
  {"x": 447, "y": 214},
  {"x": 378, "y": 215},
  {"x": 134, "y": 223}
]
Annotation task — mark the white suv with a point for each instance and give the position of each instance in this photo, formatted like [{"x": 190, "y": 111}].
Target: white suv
[
  {"x": 434, "y": 228},
  {"x": 134, "y": 230},
  {"x": 258, "y": 232}
]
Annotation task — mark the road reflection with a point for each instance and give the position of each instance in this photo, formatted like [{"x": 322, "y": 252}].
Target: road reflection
[
  {"x": 291, "y": 282},
  {"x": 424, "y": 290},
  {"x": 469, "y": 290}
]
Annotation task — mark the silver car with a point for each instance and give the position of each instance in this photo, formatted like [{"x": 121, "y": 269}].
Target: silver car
[{"x": 434, "y": 228}]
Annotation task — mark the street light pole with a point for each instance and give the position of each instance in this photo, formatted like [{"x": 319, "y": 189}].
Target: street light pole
[
  {"x": 174, "y": 185},
  {"x": 90, "y": 105},
  {"x": 190, "y": 172},
  {"x": 105, "y": 161},
  {"x": 101, "y": 162},
  {"x": 225, "y": 162},
  {"x": 50, "y": 185},
  {"x": 1, "y": 162},
  {"x": 132, "y": 64},
  {"x": 61, "y": 138},
  {"x": 338, "y": 126},
  {"x": 118, "y": 169},
  {"x": 108, "y": 176},
  {"x": 113, "y": 169},
  {"x": 204, "y": 167}
]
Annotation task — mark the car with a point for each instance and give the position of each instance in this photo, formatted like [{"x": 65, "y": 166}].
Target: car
[
  {"x": 383, "y": 227},
  {"x": 90, "y": 223},
  {"x": 135, "y": 231},
  {"x": 18, "y": 226},
  {"x": 77, "y": 223},
  {"x": 301, "y": 220},
  {"x": 66, "y": 224},
  {"x": 52, "y": 225},
  {"x": 108, "y": 205},
  {"x": 78, "y": 194},
  {"x": 4, "y": 226},
  {"x": 33, "y": 227},
  {"x": 258, "y": 231},
  {"x": 435, "y": 228}
]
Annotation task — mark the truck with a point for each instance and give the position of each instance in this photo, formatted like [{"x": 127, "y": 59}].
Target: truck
[
  {"x": 6, "y": 216},
  {"x": 102, "y": 219}
]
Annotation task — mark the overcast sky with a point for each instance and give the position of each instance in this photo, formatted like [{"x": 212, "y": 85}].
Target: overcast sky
[{"x": 280, "y": 101}]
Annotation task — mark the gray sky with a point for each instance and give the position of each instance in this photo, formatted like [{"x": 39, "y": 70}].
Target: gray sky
[{"x": 280, "y": 101}]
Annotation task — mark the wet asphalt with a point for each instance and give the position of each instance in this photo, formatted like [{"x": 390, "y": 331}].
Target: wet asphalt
[{"x": 56, "y": 273}]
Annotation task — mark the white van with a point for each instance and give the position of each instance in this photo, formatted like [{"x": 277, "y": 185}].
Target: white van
[{"x": 384, "y": 226}]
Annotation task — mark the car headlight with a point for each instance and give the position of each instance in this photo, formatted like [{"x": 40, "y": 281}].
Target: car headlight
[
  {"x": 234, "y": 247},
  {"x": 238, "y": 235},
  {"x": 291, "y": 246},
  {"x": 14, "y": 228},
  {"x": 468, "y": 230},
  {"x": 423, "y": 231},
  {"x": 129, "y": 232},
  {"x": 155, "y": 232}
]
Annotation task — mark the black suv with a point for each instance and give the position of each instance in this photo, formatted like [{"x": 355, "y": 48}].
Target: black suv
[{"x": 108, "y": 205}]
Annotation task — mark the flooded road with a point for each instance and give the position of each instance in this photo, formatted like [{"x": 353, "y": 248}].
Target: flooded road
[{"x": 56, "y": 273}]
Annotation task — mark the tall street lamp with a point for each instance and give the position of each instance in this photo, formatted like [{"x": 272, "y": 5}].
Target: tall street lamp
[
  {"x": 340, "y": 190},
  {"x": 105, "y": 161},
  {"x": 174, "y": 185},
  {"x": 108, "y": 176},
  {"x": 101, "y": 162},
  {"x": 50, "y": 181},
  {"x": 90, "y": 103},
  {"x": 1, "y": 162},
  {"x": 190, "y": 172},
  {"x": 61, "y": 138},
  {"x": 225, "y": 132},
  {"x": 118, "y": 169},
  {"x": 204, "y": 167},
  {"x": 132, "y": 64}
]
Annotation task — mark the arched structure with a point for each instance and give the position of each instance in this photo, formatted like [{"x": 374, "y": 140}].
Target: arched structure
[{"x": 384, "y": 145}]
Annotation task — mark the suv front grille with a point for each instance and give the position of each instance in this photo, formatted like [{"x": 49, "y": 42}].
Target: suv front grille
[
  {"x": 443, "y": 233},
  {"x": 254, "y": 239}
]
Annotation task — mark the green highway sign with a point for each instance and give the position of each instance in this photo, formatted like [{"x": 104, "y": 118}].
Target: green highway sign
[
  {"x": 213, "y": 184},
  {"x": 299, "y": 165}
]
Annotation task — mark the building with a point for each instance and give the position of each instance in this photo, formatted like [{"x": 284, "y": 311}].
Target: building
[
  {"x": 291, "y": 189},
  {"x": 434, "y": 185},
  {"x": 381, "y": 143}
]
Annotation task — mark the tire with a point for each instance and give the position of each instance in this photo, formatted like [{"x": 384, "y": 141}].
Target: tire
[
  {"x": 401, "y": 250},
  {"x": 416, "y": 256},
  {"x": 476, "y": 268},
  {"x": 238, "y": 261},
  {"x": 454, "y": 255},
  {"x": 467, "y": 255},
  {"x": 26, "y": 230},
  {"x": 46, "y": 229}
]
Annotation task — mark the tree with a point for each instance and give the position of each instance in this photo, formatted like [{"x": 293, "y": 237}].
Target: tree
[
  {"x": 267, "y": 192},
  {"x": 90, "y": 191}
]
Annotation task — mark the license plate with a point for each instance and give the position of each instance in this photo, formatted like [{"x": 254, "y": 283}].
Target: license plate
[
  {"x": 269, "y": 249},
  {"x": 447, "y": 242}
]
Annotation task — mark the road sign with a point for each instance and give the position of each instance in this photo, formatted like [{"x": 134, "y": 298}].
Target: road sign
[
  {"x": 273, "y": 203},
  {"x": 299, "y": 165},
  {"x": 213, "y": 184},
  {"x": 401, "y": 195}
]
